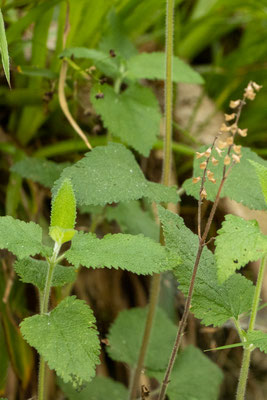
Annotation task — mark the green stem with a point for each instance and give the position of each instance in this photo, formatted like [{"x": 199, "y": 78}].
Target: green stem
[
  {"x": 242, "y": 383},
  {"x": 44, "y": 303},
  {"x": 167, "y": 162}
]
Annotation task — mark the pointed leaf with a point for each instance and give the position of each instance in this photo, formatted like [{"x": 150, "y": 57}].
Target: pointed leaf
[
  {"x": 133, "y": 219},
  {"x": 261, "y": 172},
  {"x": 240, "y": 185},
  {"x": 100, "y": 388},
  {"x": 212, "y": 302},
  {"x": 35, "y": 272},
  {"x": 258, "y": 339},
  {"x": 238, "y": 242},
  {"x": 39, "y": 170},
  {"x": 21, "y": 238},
  {"x": 109, "y": 174},
  {"x": 134, "y": 253},
  {"x": 67, "y": 339},
  {"x": 194, "y": 377},
  {"x": 152, "y": 66},
  {"x": 3, "y": 48},
  {"x": 132, "y": 115},
  {"x": 101, "y": 59},
  {"x": 126, "y": 333},
  {"x": 63, "y": 213}
]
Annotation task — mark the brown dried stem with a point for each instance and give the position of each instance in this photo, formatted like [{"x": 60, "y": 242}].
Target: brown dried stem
[{"x": 202, "y": 244}]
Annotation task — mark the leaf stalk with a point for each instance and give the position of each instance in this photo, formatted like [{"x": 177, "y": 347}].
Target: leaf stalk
[
  {"x": 44, "y": 304},
  {"x": 243, "y": 377}
]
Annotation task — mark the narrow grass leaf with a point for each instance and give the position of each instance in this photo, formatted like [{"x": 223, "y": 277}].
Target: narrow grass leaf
[{"x": 4, "y": 48}]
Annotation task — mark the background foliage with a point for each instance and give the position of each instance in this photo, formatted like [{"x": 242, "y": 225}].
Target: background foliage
[{"x": 225, "y": 43}]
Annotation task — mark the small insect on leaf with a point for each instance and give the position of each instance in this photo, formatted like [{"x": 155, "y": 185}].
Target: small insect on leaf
[{"x": 63, "y": 213}]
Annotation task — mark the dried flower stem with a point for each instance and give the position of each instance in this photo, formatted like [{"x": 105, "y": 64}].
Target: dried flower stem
[
  {"x": 202, "y": 244},
  {"x": 167, "y": 161}
]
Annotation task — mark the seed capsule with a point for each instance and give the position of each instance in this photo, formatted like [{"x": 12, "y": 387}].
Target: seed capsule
[
  {"x": 203, "y": 165},
  {"x": 229, "y": 117},
  {"x": 196, "y": 180},
  {"x": 242, "y": 132},
  {"x": 214, "y": 161},
  {"x": 230, "y": 140},
  {"x": 203, "y": 194},
  {"x": 227, "y": 160},
  {"x": 237, "y": 149},
  {"x": 234, "y": 103}
]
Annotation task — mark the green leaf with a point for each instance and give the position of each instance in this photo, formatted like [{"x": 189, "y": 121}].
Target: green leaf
[
  {"x": 36, "y": 72},
  {"x": 134, "y": 253},
  {"x": 261, "y": 172},
  {"x": 194, "y": 377},
  {"x": 4, "y": 49},
  {"x": 67, "y": 339},
  {"x": 212, "y": 302},
  {"x": 240, "y": 185},
  {"x": 35, "y": 272},
  {"x": 63, "y": 213},
  {"x": 100, "y": 388},
  {"x": 152, "y": 66},
  {"x": 115, "y": 38},
  {"x": 132, "y": 115},
  {"x": 21, "y": 238},
  {"x": 109, "y": 174},
  {"x": 38, "y": 170},
  {"x": 126, "y": 333},
  {"x": 258, "y": 339},
  {"x": 102, "y": 60},
  {"x": 133, "y": 219},
  {"x": 238, "y": 242}
]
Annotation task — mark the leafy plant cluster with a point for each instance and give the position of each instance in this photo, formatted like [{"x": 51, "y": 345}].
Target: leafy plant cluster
[{"x": 108, "y": 184}]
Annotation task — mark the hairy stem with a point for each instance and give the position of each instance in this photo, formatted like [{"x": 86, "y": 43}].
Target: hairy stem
[
  {"x": 167, "y": 161},
  {"x": 242, "y": 383},
  {"x": 183, "y": 321},
  {"x": 44, "y": 303}
]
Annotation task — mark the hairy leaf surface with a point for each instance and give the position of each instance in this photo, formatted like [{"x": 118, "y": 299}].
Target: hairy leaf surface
[
  {"x": 126, "y": 333},
  {"x": 212, "y": 302},
  {"x": 238, "y": 242},
  {"x": 21, "y": 238},
  {"x": 100, "y": 388},
  {"x": 101, "y": 59},
  {"x": 152, "y": 66},
  {"x": 194, "y": 377},
  {"x": 67, "y": 339},
  {"x": 35, "y": 272},
  {"x": 63, "y": 213},
  {"x": 132, "y": 115},
  {"x": 134, "y": 253},
  {"x": 38, "y": 170},
  {"x": 110, "y": 174},
  {"x": 261, "y": 172},
  {"x": 133, "y": 219},
  {"x": 240, "y": 185},
  {"x": 258, "y": 339}
]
